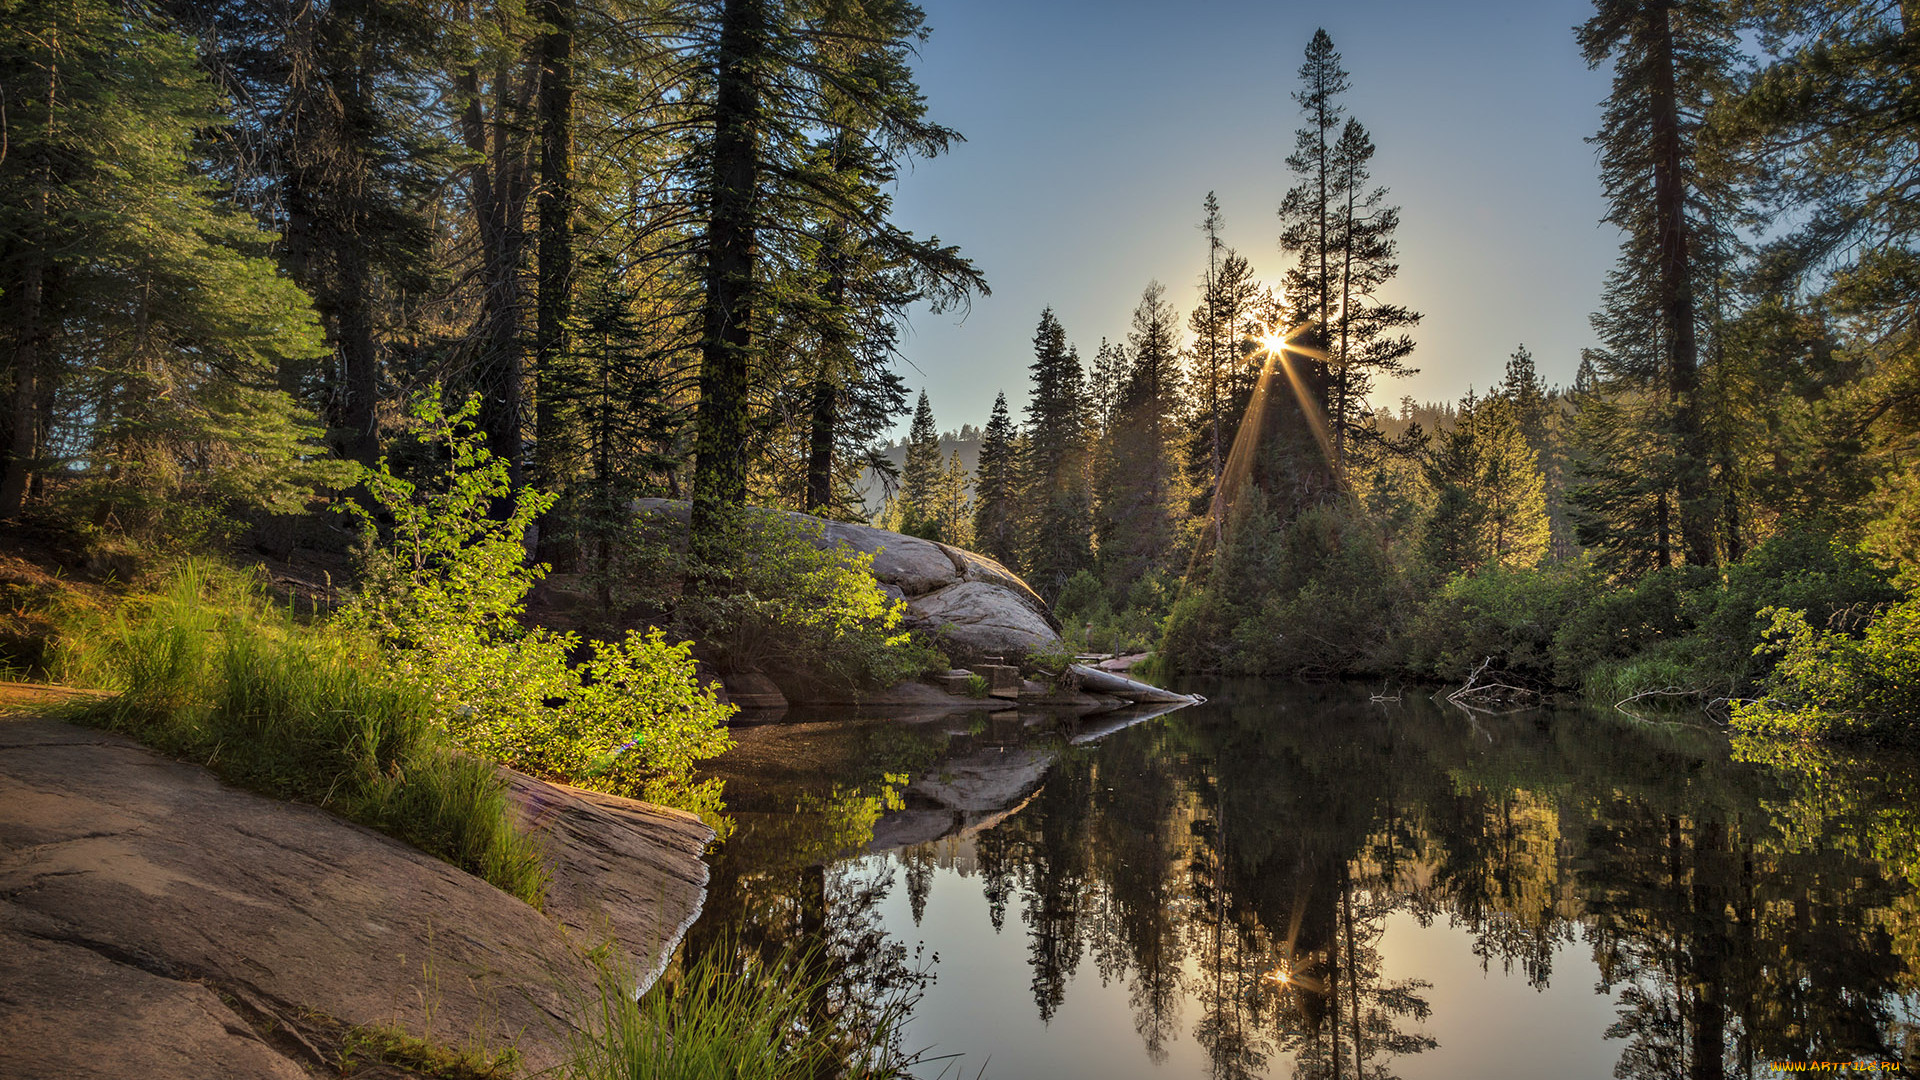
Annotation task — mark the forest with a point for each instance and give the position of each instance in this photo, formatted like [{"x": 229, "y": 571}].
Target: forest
[{"x": 266, "y": 262}]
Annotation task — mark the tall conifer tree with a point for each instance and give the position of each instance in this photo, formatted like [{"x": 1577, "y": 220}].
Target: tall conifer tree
[
  {"x": 1670, "y": 60},
  {"x": 920, "y": 479},
  {"x": 1055, "y": 462},
  {"x": 1142, "y": 494},
  {"x": 996, "y": 528}
]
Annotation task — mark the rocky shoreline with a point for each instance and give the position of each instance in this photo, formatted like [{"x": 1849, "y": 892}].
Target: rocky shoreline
[{"x": 157, "y": 923}]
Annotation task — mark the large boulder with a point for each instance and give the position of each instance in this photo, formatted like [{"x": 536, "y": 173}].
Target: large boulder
[
  {"x": 979, "y": 618},
  {"x": 157, "y": 923},
  {"x": 976, "y": 606}
]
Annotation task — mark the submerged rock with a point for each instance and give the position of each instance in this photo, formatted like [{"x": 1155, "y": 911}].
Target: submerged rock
[{"x": 156, "y": 923}]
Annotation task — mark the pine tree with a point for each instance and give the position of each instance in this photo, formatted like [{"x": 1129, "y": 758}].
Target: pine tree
[
  {"x": 1142, "y": 496},
  {"x": 1364, "y": 345},
  {"x": 779, "y": 73},
  {"x": 1669, "y": 62},
  {"x": 145, "y": 332},
  {"x": 1490, "y": 507},
  {"x": 339, "y": 148},
  {"x": 996, "y": 506},
  {"x": 1619, "y": 468},
  {"x": 1299, "y": 457},
  {"x": 1104, "y": 383},
  {"x": 1211, "y": 324},
  {"x": 1825, "y": 131},
  {"x": 1055, "y": 463},
  {"x": 952, "y": 508},
  {"x": 920, "y": 480}
]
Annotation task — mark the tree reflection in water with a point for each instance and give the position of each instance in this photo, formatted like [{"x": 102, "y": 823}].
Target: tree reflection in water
[{"x": 1235, "y": 867}]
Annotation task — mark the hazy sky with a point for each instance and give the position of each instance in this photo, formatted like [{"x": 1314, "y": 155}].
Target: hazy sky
[{"x": 1095, "y": 129}]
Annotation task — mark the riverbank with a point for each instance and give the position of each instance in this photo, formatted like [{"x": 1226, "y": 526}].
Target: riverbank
[{"x": 158, "y": 923}]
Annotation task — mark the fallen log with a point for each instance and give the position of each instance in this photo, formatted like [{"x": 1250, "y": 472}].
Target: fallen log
[{"x": 1106, "y": 682}]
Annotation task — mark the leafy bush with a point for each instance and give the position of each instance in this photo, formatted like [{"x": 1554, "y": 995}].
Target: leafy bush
[
  {"x": 1700, "y": 631},
  {"x": 1833, "y": 582},
  {"x": 1501, "y": 615},
  {"x": 443, "y": 597},
  {"x": 1624, "y": 623},
  {"x": 786, "y": 604},
  {"x": 207, "y": 671},
  {"x": 1831, "y": 685}
]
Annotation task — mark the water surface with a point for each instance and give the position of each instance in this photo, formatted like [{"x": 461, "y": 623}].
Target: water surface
[{"x": 1303, "y": 882}]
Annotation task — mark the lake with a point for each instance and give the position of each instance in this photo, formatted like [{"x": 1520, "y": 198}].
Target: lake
[{"x": 1301, "y": 881}]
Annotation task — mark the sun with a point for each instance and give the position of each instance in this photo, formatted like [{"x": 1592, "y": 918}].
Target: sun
[{"x": 1274, "y": 341}]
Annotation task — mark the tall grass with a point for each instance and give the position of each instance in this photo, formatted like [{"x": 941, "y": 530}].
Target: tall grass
[
  {"x": 714, "y": 1021},
  {"x": 206, "y": 670}
]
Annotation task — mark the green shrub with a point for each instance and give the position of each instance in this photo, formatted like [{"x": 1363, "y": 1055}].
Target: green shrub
[
  {"x": 1831, "y": 685},
  {"x": 1621, "y": 624},
  {"x": 810, "y": 615},
  {"x": 1317, "y": 596},
  {"x": 1701, "y": 630},
  {"x": 208, "y": 671},
  {"x": 1082, "y": 599},
  {"x": 1833, "y": 582},
  {"x": 443, "y": 597},
  {"x": 1507, "y": 617}
]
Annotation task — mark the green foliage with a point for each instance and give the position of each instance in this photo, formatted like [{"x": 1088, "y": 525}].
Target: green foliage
[
  {"x": 443, "y": 595},
  {"x": 1626, "y": 622},
  {"x": 919, "y": 502},
  {"x": 207, "y": 671},
  {"x": 1506, "y": 617},
  {"x": 978, "y": 686},
  {"x": 146, "y": 332},
  {"x": 767, "y": 1020},
  {"x": 1490, "y": 493},
  {"x": 786, "y": 604},
  {"x": 1681, "y": 631},
  {"x": 1315, "y": 597},
  {"x": 1829, "y": 684}
]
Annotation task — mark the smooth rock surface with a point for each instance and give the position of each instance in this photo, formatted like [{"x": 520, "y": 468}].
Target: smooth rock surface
[
  {"x": 170, "y": 926},
  {"x": 979, "y": 607},
  {"x": 977, "y": 618}
]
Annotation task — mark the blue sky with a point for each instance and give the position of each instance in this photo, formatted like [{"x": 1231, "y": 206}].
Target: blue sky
[{"x": 1094, "y": 130}]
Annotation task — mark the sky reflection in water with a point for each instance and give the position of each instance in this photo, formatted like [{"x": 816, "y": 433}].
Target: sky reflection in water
[{"x": 1296, "y": 882}]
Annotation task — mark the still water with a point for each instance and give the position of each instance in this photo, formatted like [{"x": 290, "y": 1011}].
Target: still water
[{"x": 1302, "y": 882}]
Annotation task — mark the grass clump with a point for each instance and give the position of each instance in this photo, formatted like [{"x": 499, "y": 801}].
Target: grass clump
[
  {"x": 766, "y": 1020},
  {"x": 365, "y": 1047},
  {"x": 206, "y": 670}
]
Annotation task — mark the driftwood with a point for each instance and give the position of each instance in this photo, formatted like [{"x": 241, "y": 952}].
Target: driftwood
[
  {"x": 1477, "y": 695},
  {"x": 1106, "y": 682}
]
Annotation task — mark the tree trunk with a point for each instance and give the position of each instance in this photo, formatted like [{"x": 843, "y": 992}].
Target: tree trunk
[
  {"x": 23, "y": 416},
  {"x": 726, "y": 338},
  {"x": 555, "y": 200},
  {"x": 499, "y": 205},
  {"x": 835, "y": 349},
  {"x": 25, "y": 420},
  {"x": 1692, "y": 479}
]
